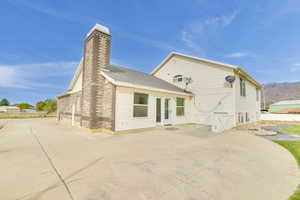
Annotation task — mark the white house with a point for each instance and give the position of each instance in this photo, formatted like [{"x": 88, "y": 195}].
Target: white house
[
  {"x": 215, "y": 101},
  {"x": 9, "y": 109},
  {"x": 182, "y": 89}
]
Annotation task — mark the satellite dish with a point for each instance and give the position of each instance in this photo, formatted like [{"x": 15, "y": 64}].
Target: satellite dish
[{"x": 230, "y": 79}]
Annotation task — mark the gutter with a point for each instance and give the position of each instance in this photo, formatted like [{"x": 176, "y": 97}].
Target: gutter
[
  {"x": 63, "y": 95},
  {"x": 243, "y": 73}
]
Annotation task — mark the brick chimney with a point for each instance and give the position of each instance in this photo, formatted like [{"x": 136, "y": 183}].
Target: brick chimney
[{"x": 96, "y": 57}]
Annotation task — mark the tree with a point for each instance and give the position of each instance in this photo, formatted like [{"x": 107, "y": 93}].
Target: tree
[
  {"x": 4, "y": 102},
  {"x": 51, "y": 105},
  {"x": 40, "y": 106},
  {"x": 24, "y": 106}
]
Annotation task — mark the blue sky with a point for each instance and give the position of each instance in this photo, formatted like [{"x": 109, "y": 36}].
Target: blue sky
[{"x": 41, "y": 40}]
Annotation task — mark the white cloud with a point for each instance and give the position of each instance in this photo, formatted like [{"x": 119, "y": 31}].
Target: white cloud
[
  {"x": 238, "y": 55},
  {"x": 187, "y": 40},
  {"x": 224, "y": 20},
  {"x": 296, "y": 67},
  {"x": 28, "y": 76},
  {"x": 191, "y": 42},
  {"x": 10, "y": 77},
  {"x": 144, "y": 40},
  {"x": 198, "y": 31},
  {"x": 54, "y": 12},
  {"x": 82, "y": 19}
]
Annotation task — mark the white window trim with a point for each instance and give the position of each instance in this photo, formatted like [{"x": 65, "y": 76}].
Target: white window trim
[{"x": 243, "y": 87}]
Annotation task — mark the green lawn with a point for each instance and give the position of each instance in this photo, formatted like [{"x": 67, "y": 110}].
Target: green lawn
[
  {"x": 22, "y": 115},
  {"x": 1, "y": 126},
  {"x": 294, "y": 148},
  {"x": 294, "y": 129}
]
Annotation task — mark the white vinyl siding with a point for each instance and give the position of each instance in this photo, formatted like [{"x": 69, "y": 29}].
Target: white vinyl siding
[
  {"x": 257, "y": 94},
  {"x": 250, "y": 103},
  {"x": 124, "y": 119},
  {"x": 211, "y": 93}
]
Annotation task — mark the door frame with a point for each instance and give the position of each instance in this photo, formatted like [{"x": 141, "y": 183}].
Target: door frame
[
  {"x": 167, "y": 120},
  {"x": 158, "y": 118},
  {"x": 163, "y": 119}
]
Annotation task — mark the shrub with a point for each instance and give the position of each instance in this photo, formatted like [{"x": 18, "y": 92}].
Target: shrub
[
  {"x": 40, "y": 106},
  {"x": 24, "y": 106}
]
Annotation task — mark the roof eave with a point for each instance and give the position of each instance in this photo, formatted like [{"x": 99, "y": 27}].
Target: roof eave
[
  {"x": 172, "y": 54},
  {"x": 63, "y": 95},
  {"x": 76, "y": 75},
  {"x": 162, "y": 63},
  {"x": 242, "y": 72},
  {"x": 235, "y": 68}
]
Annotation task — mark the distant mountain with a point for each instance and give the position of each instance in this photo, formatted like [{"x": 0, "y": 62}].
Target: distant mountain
[{"x": 275, "y": 92}]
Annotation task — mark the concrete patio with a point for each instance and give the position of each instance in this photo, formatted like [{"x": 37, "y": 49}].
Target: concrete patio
[{"x": 43, "y": 160}]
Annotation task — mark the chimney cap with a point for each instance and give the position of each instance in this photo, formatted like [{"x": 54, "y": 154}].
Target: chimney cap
[{"x": 100, "y": 28}]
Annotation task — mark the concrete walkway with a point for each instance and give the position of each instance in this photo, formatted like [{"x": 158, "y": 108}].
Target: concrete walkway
[
  {"x": 40, "y": 160},
  {"x": 281, "y": 134}
]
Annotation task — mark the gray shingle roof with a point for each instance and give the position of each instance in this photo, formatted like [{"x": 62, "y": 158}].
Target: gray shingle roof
[
  {"x": 289, "y": 102},
  {"x": 123, "y": 74}
]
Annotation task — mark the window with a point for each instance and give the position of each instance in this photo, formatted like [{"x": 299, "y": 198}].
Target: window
[
  {"x": 247, "y": 117},
  {"x": 167, "y": 103},
  {"x": 179, "y": 106},
  {"x": 177, "y": 78},
  {"x": 140, "y": 105},
  {"x": 240, "y": 118},
  {"x": 242, "y": 87},
  {"x": 257, "y": 94}
]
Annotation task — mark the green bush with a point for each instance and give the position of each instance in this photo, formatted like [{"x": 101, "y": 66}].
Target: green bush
[{"x": 24, "y": 106}]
